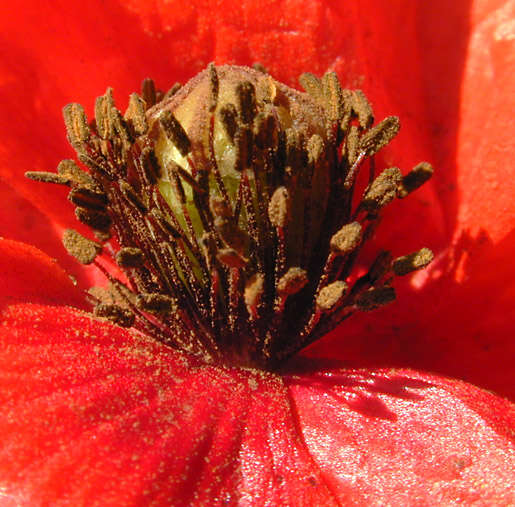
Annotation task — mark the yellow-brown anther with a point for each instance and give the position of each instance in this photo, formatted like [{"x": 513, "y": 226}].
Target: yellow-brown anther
[
  {"x": 278, "y": 207},
  {"x": 253, "y": 293},
  {"x": 362, "y": 108},
  {"x": 158, "y": 304},
  {"x": 329, "y": 297},
  {"x": 311, "y": 84},
  {"x": 47, "y": 177},
  {"x": 115, "y": 313},
  {"x": 77, "y": 126},
  {"x": 333, "y": 95},
  {"x": 130, "y": 257},
  {"x": 83, "y": 249},
  {"x": 231, "y": 258},
  {"x": 412, "y": 262},
  {"x": 347, "y": 238},
  {"x": 294, "y": 280},
  {"x": 135, "y": 114},
  {"x": 71, "y": 171},
  {"x": 374, "y": 298},
  {"x": 379, "y": 136},
  {"x": 415, "y": 178},
  {"x": 383, "y": 189}
]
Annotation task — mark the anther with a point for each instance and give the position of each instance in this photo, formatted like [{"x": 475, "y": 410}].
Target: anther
[
  {"x": 148, "y": 92},
  {"x": 130, "y": 257},
  {"x": 174, "y": 131},
  {"x": 121, "y": 316},
  {"x": 70, "y": 170},
  {"x": 383, "y": 189},
  {"x": 47, "y": 177},
  {"x": 415, "y": 178},
  {"x": 293, "y": 281},
  {"x": 104, "y": 106},
  {"x": 346, "y": 239},
  {"x": 158, "y": 304},
  {"x": 362, "y": 108},
  {"x": 94, "y": 219},
  {"x": 278, "y": 207},
  {"x": 333, "y": 97},
  {"x": 76, "y": 124},
  {"x": 259, "y": 67},
  {"x": 135, "y": 115},
  {"x": 311, "y": 84},
  {"x": 83, "y": 249},
  {"x": 131, "y": 195},
  {"x": 379, "y": 136},
  {"x": 231, "y": 258},
  {"x": 253, "y": 293},
  {"x": 266, "y": 91},
  {"x": 352, "y": 145},
  {"x": 246, "y": 94},
  {"x": 375, "y": 297},
  {"x": 88, "y": 198},
  {"x": 412, "y": 262},
  {"x": 330, "y": 296}
]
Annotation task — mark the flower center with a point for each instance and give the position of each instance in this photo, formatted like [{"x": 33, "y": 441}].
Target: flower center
[{"x": 227, "y": 213}]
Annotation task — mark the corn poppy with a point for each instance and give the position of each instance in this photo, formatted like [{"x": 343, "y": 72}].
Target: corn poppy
[{"x": 93, "y": 413}]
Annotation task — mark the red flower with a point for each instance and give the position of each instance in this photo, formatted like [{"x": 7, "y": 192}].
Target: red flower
[{"x": 92, "y": 413}]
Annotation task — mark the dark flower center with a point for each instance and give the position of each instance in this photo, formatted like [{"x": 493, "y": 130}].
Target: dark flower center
[{"x": 225, "y": 213}]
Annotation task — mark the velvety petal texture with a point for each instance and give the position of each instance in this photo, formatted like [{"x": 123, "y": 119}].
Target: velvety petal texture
[{"x": 95, "y": 414}]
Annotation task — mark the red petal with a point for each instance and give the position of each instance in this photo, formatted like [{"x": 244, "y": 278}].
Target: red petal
[
  {"x": 395, "y": 437},
  {"x": 93, "y": 413},
  {"x": 28, "y": 275}
]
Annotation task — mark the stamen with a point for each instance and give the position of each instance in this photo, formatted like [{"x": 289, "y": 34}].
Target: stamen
[
  {"x": 135, "y": 115},
  {"x": 228, "y": 205},
  {"x": 416, "y": 178},
  {"x": 361, "y": 106},
  {"x": 174, "y": 131},
  {"x": 379, "y": 136},
  {"x": 76, "y": 125},
  {"x": 158, "y": 304},
  {"x": 45, "y": 177},
  {"x": 375, "y": 297},
  {"x": 130, "y": 257},
  {"x": 329, "y": 297},
  {"x": 83, "y": 249},
  {"x": 412, "y": 262},
  {"x": 383, "y": 190},
  {"x": 121, "y": 316}
]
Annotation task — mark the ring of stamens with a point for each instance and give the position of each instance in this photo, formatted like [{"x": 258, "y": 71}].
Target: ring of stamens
[{"x": 247, "y": 276}]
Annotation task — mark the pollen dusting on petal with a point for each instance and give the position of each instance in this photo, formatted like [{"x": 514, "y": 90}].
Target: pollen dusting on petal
[{"x": 229, "y": 206}]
